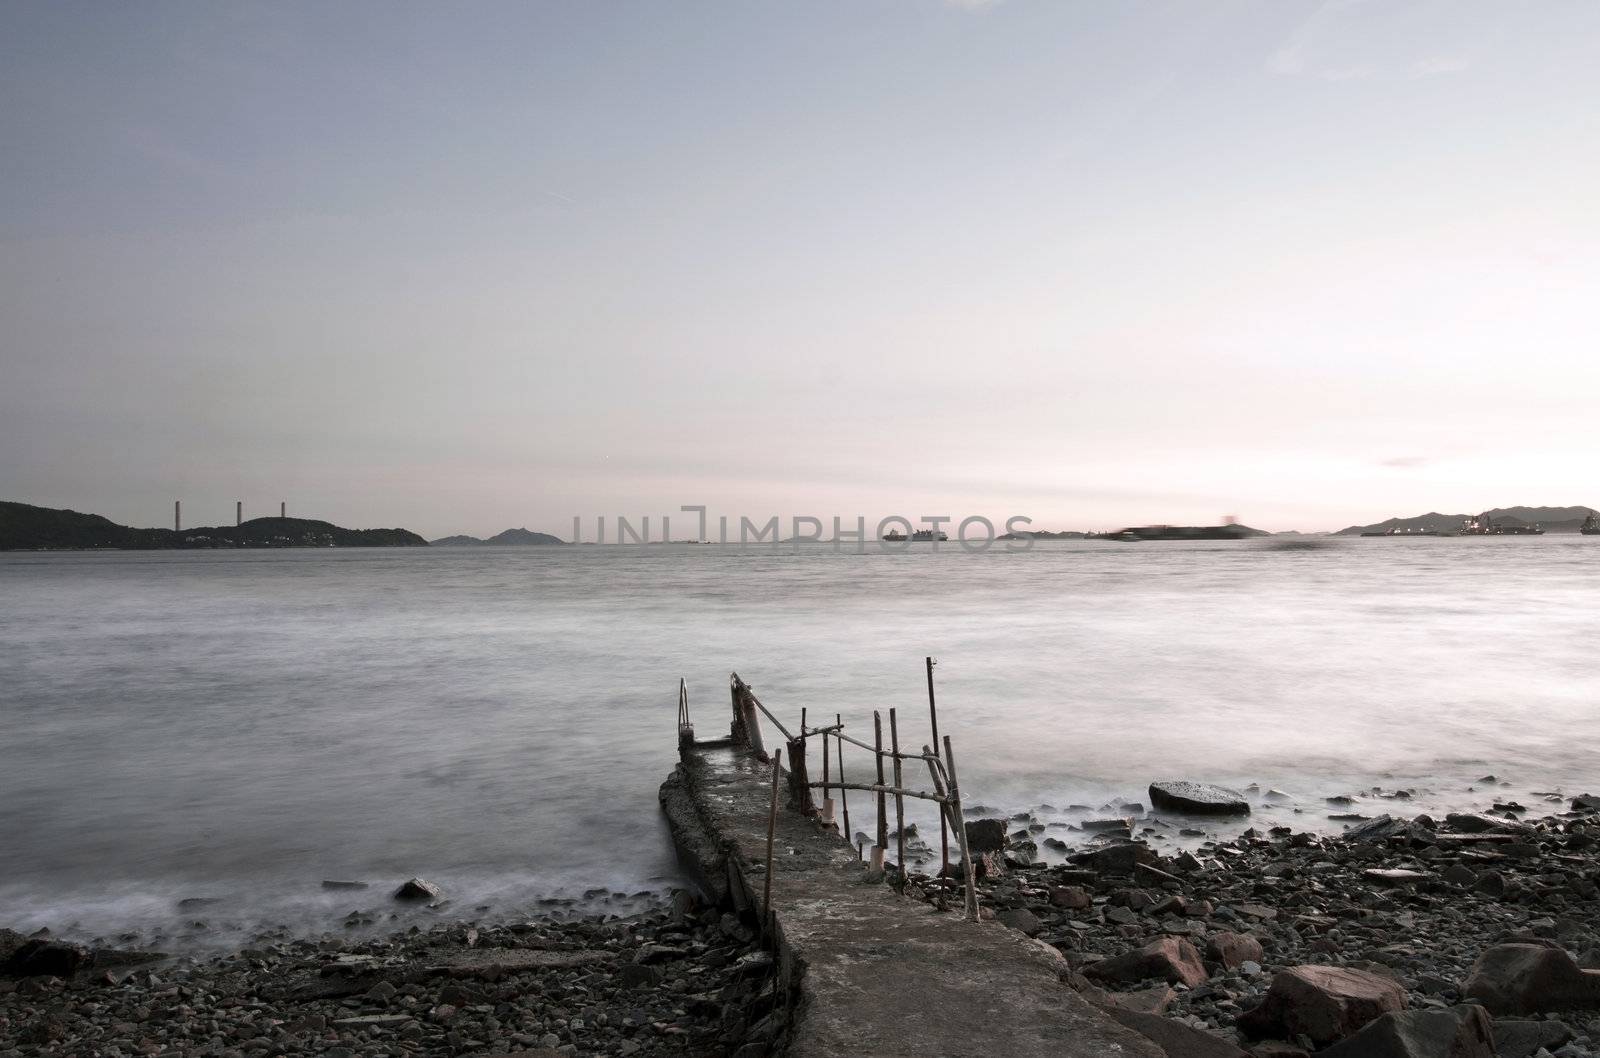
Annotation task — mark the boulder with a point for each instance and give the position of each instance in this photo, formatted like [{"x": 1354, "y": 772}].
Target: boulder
[
  {"x": 1325, "y": 1003},
  {"x": 1477, "y": 823},
  {"x": 987, "y": 835},
  {"x": 1174, "y": 1037},
  {"x": 417, "y": 889},
  {"x": 1586, "y": 803},
  {"x": 1531, "y": 979},
  {"x": 1072, "y": 897},
  {"x": 1170, "y": 959},
  {"x": 1515, "y": 1038},
  {"x": 1464, "y": 1032},
  {"x": 1021, "y": 919},
  {"x": 1117, "y": 859},
  {"x": 1233, "y": 950},
  {"x": 43, "y": 957},
  {"x": 1198, "y": 798}
]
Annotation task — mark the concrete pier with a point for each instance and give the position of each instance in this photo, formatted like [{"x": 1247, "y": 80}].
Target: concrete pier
[{"x": 869, "y": 971}]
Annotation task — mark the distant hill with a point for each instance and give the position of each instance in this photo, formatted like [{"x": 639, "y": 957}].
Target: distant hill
[
  {"x": 24, "y": 527},
  {"x": 509, "y": 538},
  {"x": 1551, "y": 519}
]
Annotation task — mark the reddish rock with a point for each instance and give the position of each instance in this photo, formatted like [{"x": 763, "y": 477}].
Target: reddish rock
[
  {"x": 1170, "y": 959},
  {"x": 1531, "y": 979},
  {"x": 1233, "y": 950},
  {"x": 1325, "y": 1003},
  {"x": 1465, "y": 1032},
  {"x": 1145, "y": 1001},
  {"x": 1073, "y": 897}
]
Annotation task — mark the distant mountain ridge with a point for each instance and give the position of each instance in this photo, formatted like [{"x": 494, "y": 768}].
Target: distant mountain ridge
[
  {"x": 509, "y": 538},
  {"x": 1551, "y": 519},
  {"x": 24, "y": 527}
]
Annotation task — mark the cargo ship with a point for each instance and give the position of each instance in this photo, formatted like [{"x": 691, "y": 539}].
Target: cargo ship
[
  {"x": 1483, "y": 525},
  {"x": 895, "y": 536}
]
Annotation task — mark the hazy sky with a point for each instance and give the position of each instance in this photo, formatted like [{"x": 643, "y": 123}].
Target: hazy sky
[{"x": 463, "y": 266}]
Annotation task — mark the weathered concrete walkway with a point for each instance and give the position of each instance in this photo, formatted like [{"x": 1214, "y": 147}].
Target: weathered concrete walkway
[{"x": 876, "y": 973}]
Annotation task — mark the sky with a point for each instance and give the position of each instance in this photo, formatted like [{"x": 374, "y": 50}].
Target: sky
[{"x": 459, "y": 267}]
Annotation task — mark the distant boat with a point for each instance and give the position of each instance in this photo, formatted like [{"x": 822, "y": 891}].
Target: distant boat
[
  {"x": 1590, "y": 526},
  {"x": 1483, "y": 525},
  {"x": 895, "y": 536}
]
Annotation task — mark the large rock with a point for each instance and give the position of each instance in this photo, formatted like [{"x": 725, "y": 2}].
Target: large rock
[
  {"x": 1022, "y": 920},
  {"x": 1117, "y": 859},
  {"x": 417, "y": 889},
  {"x": 1170, "y": 959},
  {"x": 1174, "y": 1037},
  {"x": 1233, "y": 950},
  {"x": 1531, "y": 979},
  {"x": 42, "y": 957},
  {"x": 1326, "y": 1003},
  {"x": 1517, "y": 1038},
  {"x": 987, "y": 835},
  {"x": 1198, "y": 798},
  {"x": 1465, "y": 1032}
]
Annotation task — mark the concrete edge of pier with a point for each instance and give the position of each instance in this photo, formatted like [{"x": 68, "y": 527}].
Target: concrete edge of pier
[{"x": 865, "y": 969}]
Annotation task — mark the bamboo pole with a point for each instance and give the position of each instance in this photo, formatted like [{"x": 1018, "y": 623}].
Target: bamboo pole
[
  {"x": 933, "y": 719},
  {"x": 772, "y": 829},
  {"x": 844, "y": 802},
  {"x": 961, "y": 832},
  {"x": 899, "y": 799}
]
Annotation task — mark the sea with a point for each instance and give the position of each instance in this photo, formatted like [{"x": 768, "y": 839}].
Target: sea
[{"x": 191, "y": 743}]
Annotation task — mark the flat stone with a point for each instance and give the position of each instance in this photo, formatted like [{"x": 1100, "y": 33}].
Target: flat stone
[
  {"x": 1197, "y": 798},
  {"x": 1395, "y": 876}
]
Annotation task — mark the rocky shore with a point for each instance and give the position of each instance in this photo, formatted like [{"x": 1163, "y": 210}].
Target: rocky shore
[
  {"x": 677, "y": 979},
  {"x": 1469, "y": 936}
]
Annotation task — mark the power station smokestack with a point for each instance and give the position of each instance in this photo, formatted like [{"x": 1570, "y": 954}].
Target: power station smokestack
[
  {"x": 177, "y": 516},
  {"x": 238, "y": 512},
  {"x": 283, "y": 509}
]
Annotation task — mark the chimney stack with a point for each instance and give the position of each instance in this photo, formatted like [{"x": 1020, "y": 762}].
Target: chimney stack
[
  {"x": 177, "y": 516},
  {"x": 283, "y": 508},
  {"x": 238, "y": 513}
]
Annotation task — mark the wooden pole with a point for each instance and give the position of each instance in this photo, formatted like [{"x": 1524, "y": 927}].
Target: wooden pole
[
  {"x": 772, "y": 829},
  {"x": 899, "y": 800},
  {"x": 961, "y": 832},
  {"x": 933, "y": 718},
  {"x": 883, "y": 800},
  {"x": 844, "y": 801},
  {"x": 827, "y": 793},
  {"x": 752, "y": 727}
]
